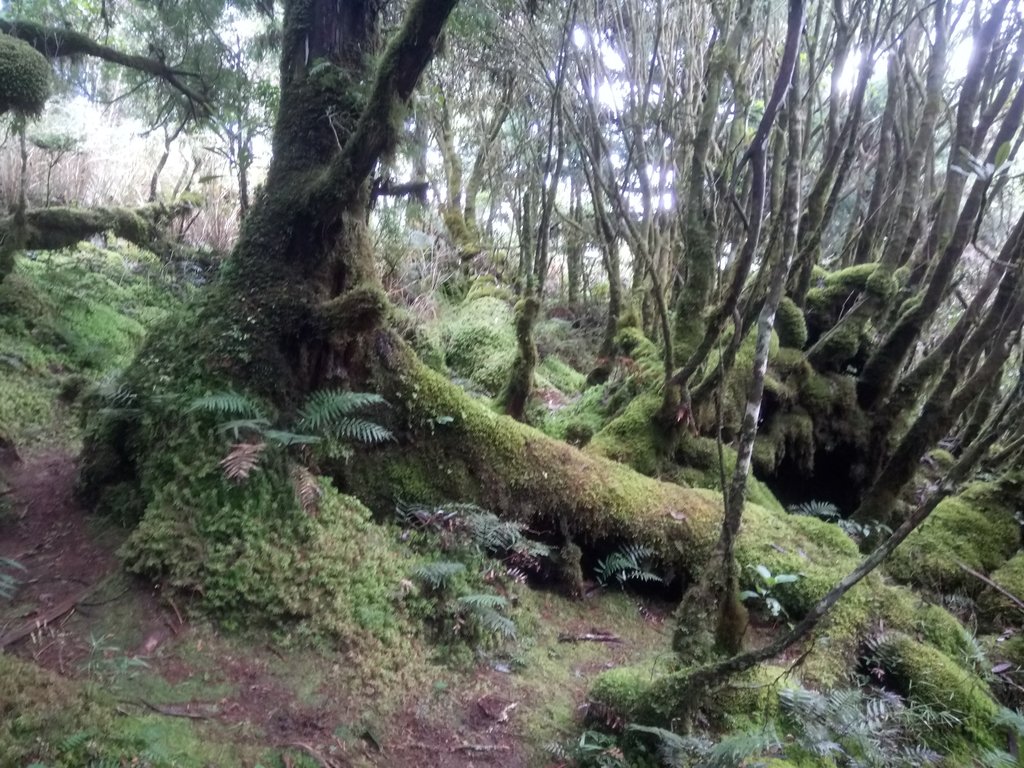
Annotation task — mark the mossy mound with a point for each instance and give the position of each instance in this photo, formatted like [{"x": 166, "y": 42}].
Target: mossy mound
[
  {"x": 65, "y": 319},
  {"x": 927, "y": 676},
  {"x": 479, "y": 342},
  {"x": 636, "y": 694},
  {"x": 554, "y": 373},
  {"x": 834, "y": 289},
  {"x": 25, "y": 77},
  {"x": 631, "y": 438},
  {"x": 995, "y": 608},
  {"x": 790, "y": 324},
  {"x": 976, "y": 527},
  {"x": 699, "y": 467},
  {"x": 252, "y": 553},
  {"x": 581, "y": 419}
]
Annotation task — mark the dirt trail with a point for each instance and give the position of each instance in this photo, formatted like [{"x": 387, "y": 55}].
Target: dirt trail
[{"x": 72, "y": 586}]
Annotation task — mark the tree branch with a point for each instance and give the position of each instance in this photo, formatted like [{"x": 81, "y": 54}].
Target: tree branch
[
  {"x": 406, "y": 57},
  {"x": 58, "y": 42}
]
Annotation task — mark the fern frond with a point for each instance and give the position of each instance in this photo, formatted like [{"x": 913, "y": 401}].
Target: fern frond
[
  {"x": 326, "y": 408},
  {"x": 360, "y": 430},
  {"x": 494, "y": 623},
  {"x": 736, "y": 748},
  {"x": 242, "y": 460},
  {"x": 481, "y": 601},
  {"x": 307, "y": 489},
  {"x": 282, "y": 437},
  {"x": 437, "y": 574},
  {"x": 823, "y": 510},
  {"x": 235, "y": 427},
  {"x": 75, "y": 740},
  {"x": 228, "y": 404}
]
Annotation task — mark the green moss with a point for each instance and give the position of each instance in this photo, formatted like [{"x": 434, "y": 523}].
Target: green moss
[
  {"x": 480, "y": 343},
  {"x": 749, "y": 697},
  {"x": 790, "y": 434},
  {"x": 485, "y": 286},
  {"x": 25, "y": 77},
  {"x": 561, "y": 376},
  {"x": 45, "y": 719},
  {"x": 631, "y": 438},
  {"x": 994, "y": 607},
  {"x": 790, "y": 324},
  {"x": 79, "y": 312},
  {"x": 626, "y": 693},
  {"x": 256, "y": 557},
  {"x": 586, "y": 415},
  {"x": 928, "y": 676},
  {"x": 976, "y": 527},
  {"x": 836, "y": 287},
  {"x": 699, "y": 468},
  {"x": 514, "y": 470}
]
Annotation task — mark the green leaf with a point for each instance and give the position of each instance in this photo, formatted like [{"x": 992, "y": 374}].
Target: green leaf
[
  {"x": 1002, "y": 153},
  {"x": 763, "y": 572}
]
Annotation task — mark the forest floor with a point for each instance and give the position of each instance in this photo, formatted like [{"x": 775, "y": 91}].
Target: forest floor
[{"x": 252, "y": 699}]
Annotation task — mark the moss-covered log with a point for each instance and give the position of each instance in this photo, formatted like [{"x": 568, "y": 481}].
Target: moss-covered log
[{"x": 50, "y": 229}]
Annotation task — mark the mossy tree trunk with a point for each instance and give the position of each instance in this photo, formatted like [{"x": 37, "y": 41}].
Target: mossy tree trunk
[
  {"x": 722, "y": 577},
  {"x": 301, "y": 283}
]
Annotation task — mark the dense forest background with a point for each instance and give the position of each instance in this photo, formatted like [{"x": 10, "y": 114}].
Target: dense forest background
[{"x": 424, "y": 342}]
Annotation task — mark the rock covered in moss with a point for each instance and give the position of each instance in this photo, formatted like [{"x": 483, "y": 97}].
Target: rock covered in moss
[
  {"x": 480, "y": 343},
  {"x": 976, "y": 527},
  {"x": 929, "y": 677},
  {"x": 790, "y": 324},
  {"x": 996, "y": 608},
  {"x": 25, "y": 77}
]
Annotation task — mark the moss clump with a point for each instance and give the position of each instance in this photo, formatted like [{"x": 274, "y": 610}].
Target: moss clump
[
  {"x": 750, "y": 697},
  {"x": 25, "y": 77},
  {"x": 976, "y": 527},
  {"x": 790, "y": 324},
  {"x": 835, "y": 288},
  {"x": 562, "y": 377},
  {"x": 631, "y": 438},
  {"x": 699, "y": 468},
  {"x": 485, "y": 286},
  {"x": 927, "y": 676},
  {"x": 480, "y": 343},
  {"x": 255, "y": 556},
  {"x": 626, "y": 693},
  {"x": 789, "y": 435},
  {"x": 994, "y": 607},
  {"x": 585, "y": 416}
]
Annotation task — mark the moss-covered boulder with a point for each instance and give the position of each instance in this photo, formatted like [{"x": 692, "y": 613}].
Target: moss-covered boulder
[
  {"x": 927, "y": 676},
  {"x": 480, "y": 343},
  {"x": 25, "y": 77},
  {"x": 997, "y": 609},
  {"x": 976, "y": 528}
]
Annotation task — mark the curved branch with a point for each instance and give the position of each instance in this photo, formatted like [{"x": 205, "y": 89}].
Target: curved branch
[{"x": 58, "y": 42}]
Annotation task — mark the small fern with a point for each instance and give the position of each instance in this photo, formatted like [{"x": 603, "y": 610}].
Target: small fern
[
  {"x": 227, "y": 404},
  {"x": 438, "y": 575},
  {"x": 330, "y": 412},
  {"x": 823, "y": 510},
  {"x": 629, "y": 563},
  {"x": 75, "y": 740}
]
